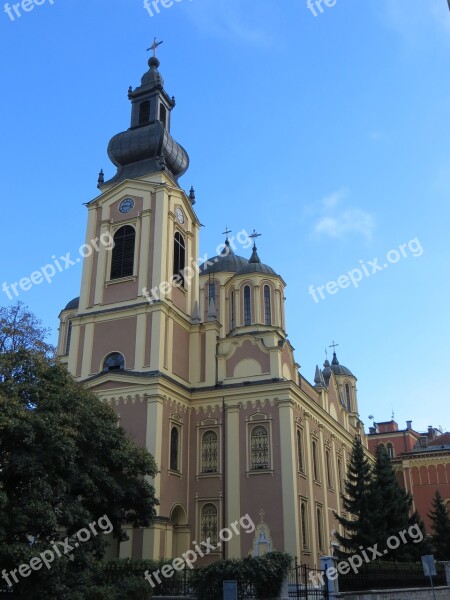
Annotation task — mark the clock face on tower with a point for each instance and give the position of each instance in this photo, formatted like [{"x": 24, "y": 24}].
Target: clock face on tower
[
  {"x": 180, "y": 216},
  {"x": 126, "y": 205}
]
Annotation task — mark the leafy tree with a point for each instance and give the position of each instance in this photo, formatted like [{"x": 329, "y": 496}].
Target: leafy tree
[
  {"x": 64, "y": 463},
  {"x": 440, "y": 527},
  {"x": 356, "y": 503}
]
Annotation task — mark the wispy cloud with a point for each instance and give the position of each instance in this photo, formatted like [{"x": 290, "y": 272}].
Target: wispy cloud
[
  {"x": 228, "y": 20},
  {"x": 337, "y": 221}
]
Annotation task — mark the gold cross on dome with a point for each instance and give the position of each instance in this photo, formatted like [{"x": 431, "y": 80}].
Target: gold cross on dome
[{"x": 262, "y": 514}]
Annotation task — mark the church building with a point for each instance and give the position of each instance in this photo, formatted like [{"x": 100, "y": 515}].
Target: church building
[{"x": 197, "y": 363}]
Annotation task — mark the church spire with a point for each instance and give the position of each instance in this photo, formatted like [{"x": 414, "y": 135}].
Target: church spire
[{"x": 147, "y": 146}]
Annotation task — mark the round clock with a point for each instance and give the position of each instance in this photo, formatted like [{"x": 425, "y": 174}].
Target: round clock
[
  {"x": 180, "y": 216},
  {"x": 126, "y": 205}
]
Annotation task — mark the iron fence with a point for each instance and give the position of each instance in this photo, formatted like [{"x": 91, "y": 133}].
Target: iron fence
[{"x": 307, "y": 584}]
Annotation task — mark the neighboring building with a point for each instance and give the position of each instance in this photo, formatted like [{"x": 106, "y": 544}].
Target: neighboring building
[
  {"x": 200, "y": 370},
  {"x": 422, "y": 461}
]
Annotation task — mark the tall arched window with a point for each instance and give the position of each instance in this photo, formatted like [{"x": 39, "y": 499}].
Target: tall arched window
[
  {"x": 319, "y": 529},
  {"x": 114, "y": 362},
  {"x": 209, "y": 523},
  {"x": 179, "y": 257},
  {"x": 122, "y": 257},
  {"x": 247, "y": 306},
  {"x": 267, "y": 307},
  {"x": 144, "y": 112},
  {"x": 174, "y": 449},
  {"x": 232, "y": 309},
  {"x": 381, "y": 448},
  {"x": 163, "y": 114},
  {"x": 301, "y": 466},
  {"x": 339, "y": 467},
  {"x": 328, "y": 465},
  {"x": 68, "y": 337},
  {"x": 259, "y": 448},
  {"x": 315, "y": 461},
  {"x": 390, "y": 450},
  {"x": 210, "y": 452},
  {"x": 212, "y": 292},
  {"x": 304, "y": 524},
  {"x": 347, "y": 396}
]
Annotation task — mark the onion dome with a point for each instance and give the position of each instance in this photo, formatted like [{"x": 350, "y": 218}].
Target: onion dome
[
  {"x": 339, "y": 369},
  {"x": 147, "y": 146},
  {"x": 255, "y": 265},
  {"x": 326, "y": 371},
  {"x": 75, "y": 303},
  {"x": 226, "y": 262}
]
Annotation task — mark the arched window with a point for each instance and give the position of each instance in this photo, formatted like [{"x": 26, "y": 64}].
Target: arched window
[
  {"x": 267, "y": 308},
  {"x": 174, "y": 464},
  {"x": 319, "y": 529},
  {"x": 304, "y": 524},
  {"x": 179, "y": 257},
  {"x": 232, "y": 309},
  {"x": 69, "y": 336},
  {"x": 301, "y": 466},
  {"x": 247, "y": 307},
  {"x": 339, "y": 466},
  {"x": 347, "y": 396},
  {"x": 210, "y": 453},
  {"x": 163, "y": 114},
  {"x": 315, "y": 462},
  {"x": 381, "y": 448},
  {"x": 209, "y": 523},
  {"x": 328, "y": 465},
  {"x": 122, "y": 258},
  {"x": 259, "y": 448},
  {"x": 144, "y": 112},
  {"x": 390, "y": 450},
  {"x": 212, "y": 292},
  {"x": 114, "y": 362}
]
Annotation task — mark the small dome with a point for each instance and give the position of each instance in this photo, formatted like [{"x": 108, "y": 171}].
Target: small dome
[
  {"x": 75, "y": 303},
  {"x": 226, "y": 262},
  {"x": 255, "y": 265},
  {"x": 339, "y": 369}
]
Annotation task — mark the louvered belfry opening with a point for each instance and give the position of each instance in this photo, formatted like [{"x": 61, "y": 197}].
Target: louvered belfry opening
[{"x": 122, "y": 260}]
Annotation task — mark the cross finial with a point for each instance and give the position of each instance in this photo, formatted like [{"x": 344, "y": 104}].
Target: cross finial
[
  {"x": 253, "y": 236},
  {"x": 334, "y": 346},
  {"x": 227, "y": 231},
  {"x": 154, "y": 46},
  {"x": 262, "y": 514}
]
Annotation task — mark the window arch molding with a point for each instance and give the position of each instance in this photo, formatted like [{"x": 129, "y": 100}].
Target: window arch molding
[{"x": 209, "y": 452}]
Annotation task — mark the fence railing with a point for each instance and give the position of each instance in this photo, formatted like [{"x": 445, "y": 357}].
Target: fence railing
[
  {"x": 306, "y": 583},
  {"x": 389, "y": 575}
]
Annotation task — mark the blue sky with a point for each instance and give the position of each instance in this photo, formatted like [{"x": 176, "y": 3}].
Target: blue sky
[{"x": 328, "y": 134}]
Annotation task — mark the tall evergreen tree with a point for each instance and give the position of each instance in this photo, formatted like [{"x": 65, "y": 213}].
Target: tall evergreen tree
[
  {"x": 358, "y": 530},
  {"x": 390, "y": 506},
  {"x": 440, "y": 527}
]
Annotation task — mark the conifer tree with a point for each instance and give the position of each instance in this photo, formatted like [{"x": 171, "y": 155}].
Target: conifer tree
[
  {"x": 440, "y": 527},
  {"x": 358, "y": 530},
  {"x": 390, "y": 506}
]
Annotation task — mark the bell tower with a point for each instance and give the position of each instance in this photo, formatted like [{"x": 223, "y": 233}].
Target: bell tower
[{"x": 139, "y": 289}]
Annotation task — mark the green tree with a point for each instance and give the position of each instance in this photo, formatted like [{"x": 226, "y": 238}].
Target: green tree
[
  {"x": 64, "y": 463},
  {"x": 440, "y": 527},
  {"x": 358, "y": 530},
  {"x": 390, "y": 507}
]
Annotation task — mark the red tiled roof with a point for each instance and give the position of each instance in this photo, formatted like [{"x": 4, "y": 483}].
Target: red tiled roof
[{"x": 441, "y": 440}]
